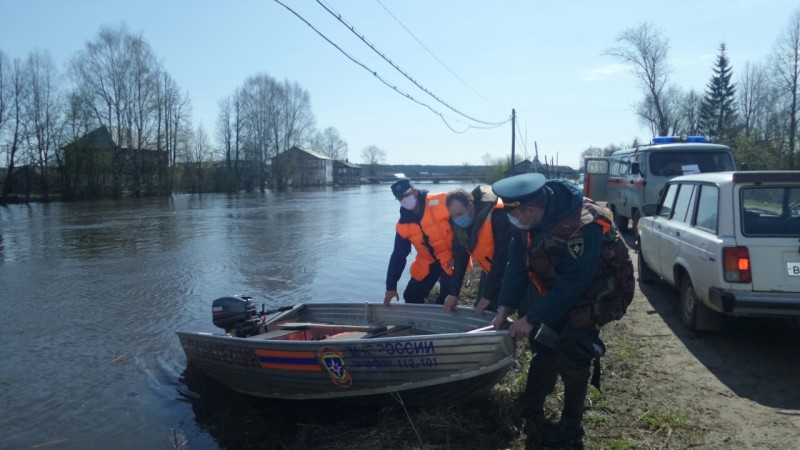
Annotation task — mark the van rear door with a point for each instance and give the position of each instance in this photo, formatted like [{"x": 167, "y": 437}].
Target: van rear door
[{"x": 595, "y": 179}]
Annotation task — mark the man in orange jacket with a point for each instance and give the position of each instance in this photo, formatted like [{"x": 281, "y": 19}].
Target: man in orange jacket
[
  {"x": 482, "y": 231},
  {"x": 425, "y": 224}
]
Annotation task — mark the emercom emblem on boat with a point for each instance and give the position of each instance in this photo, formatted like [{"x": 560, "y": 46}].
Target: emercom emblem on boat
[{"x": 333, "y": 361}]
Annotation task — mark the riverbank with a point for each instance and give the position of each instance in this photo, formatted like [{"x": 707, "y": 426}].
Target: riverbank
[
  {"x": 661, "y": 389},
  {"x": 628, "y": 413}
]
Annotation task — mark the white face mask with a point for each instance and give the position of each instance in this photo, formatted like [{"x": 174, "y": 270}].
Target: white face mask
[
  {"x": 409, "y": 202},
  {"x": 514, "y": 221}
]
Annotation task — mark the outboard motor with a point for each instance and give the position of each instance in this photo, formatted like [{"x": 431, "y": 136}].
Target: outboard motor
[{"x": 236, "y": 315}]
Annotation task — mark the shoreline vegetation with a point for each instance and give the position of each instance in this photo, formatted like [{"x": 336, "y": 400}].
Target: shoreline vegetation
[{"x": 627, "y": 413}]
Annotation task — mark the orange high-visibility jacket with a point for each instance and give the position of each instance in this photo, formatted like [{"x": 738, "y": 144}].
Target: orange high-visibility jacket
[
  {"x": 484, "y": 247},
  {"x": 432, "y": 237}
]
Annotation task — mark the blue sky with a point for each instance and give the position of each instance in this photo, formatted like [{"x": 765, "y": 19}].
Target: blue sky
[{"x": 545, "y": 59}]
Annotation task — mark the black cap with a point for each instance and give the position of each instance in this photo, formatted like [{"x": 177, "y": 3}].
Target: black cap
[
  {"x": 519, "y": 188},
  {"x": 401, "y": 187}
]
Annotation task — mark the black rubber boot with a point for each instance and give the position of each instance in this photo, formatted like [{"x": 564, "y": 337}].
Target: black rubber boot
[
  {"x": 542, "y": 377},
  {"x": 576, "y": 384},
  {"x": 566, "y": 431}
]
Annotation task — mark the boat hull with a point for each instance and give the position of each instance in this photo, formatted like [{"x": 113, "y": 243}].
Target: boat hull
[{"x": 436, "y": 359}]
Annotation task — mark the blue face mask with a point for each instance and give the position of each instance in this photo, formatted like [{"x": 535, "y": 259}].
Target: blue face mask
[{"x": 464, "y": 221}]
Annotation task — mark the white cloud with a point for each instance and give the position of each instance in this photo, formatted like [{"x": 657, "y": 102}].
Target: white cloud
[{"x": 604, "y": 72}]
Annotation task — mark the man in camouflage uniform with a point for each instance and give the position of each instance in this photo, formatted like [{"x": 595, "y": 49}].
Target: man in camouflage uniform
[{"x": 553, "y": 272}]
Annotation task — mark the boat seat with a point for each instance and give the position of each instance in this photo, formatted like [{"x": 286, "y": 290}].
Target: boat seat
[
  {"x": 274, "y": 334},
  {"x": 390, "y": 330},
  {"x": 347, "y": 335},
  {"x": 322, "y": 326}
]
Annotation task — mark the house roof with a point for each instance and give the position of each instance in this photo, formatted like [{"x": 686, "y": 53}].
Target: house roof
[
  {"x": 98, "y": 138},
  {"x": 310, "y": 152},
  {"x": 347, "y": 163}
]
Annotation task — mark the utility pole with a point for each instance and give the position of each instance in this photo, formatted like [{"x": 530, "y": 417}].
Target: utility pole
[{"x": 513, "y": 121}]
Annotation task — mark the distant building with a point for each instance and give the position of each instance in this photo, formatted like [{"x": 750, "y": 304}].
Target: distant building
[
  {"x": 96, "y": 166},
  {"x": 550, "y": 171},
  {"x": 302, "y": 167},
  {"x": 521, "y": 167},
  {"x": 345, "y": 172}
]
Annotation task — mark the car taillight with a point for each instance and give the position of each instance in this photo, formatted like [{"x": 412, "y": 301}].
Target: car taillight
[{"x": 736, "y": 264}]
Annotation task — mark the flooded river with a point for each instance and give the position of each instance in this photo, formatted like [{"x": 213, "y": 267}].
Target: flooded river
[{"x": 92, "y": 293}]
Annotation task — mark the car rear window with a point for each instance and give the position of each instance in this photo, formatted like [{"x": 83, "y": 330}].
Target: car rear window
[{"x": 770, "y": 211}]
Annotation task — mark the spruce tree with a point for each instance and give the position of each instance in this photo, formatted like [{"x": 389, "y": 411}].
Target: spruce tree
[{"x": 717, "y": 111}]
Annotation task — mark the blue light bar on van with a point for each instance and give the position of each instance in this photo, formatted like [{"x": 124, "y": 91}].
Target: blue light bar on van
[
  {"x": 664, "y": 139},
  {"x": 673, "y": 139}
]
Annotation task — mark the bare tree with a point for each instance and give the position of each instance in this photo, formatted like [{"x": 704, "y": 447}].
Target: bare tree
[
  {"x": 786, "y": 64},
  {"x": 260, "y": 99},
  {"x": 753, "y": 98},
  {"x": 4, "y": 84},
  {"x": 16, "y": 98},
  {"x": 42, "y": 115},
  {"x": 372, "y": 156},
  {"x": 225, "y": 131},
  {"x": 78, "y": 121},
  {"x": 121, "y": 78},
  {"x": 198, "y": 156},
  {"x": 330, "y": 144},
  {"x": 645, "y": 50},
  {"x": 297, "y": 120},
  {"x": 689, "y": 113}
]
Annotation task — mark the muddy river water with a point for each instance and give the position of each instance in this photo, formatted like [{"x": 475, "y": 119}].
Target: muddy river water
[{"x": 91, "y": 295}]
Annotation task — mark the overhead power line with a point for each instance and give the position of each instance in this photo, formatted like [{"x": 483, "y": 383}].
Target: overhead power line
[
  {"x": 391, "y": 86},
  {"x": 404, "y": 73},
  {"x": 436, "y": 57}
]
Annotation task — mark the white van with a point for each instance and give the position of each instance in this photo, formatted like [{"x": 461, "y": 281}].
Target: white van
[{"x": 631, "y": 178}]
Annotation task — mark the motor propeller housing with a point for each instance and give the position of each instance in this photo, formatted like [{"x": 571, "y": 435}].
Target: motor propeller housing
[{"x": 236, "y": 314}]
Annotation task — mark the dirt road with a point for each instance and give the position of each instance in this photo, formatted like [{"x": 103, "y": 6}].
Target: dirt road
[{"x": 739, "y": 386}]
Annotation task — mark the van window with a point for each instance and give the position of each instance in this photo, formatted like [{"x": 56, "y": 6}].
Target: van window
[
  {"x": 673, "y": 163},
  {"x": 614, "y": 167},
  {"x": 669, "y": 199},
  {"x": 707, "y": 208},
  {"x": 634, "y": 159},
  {"x": 624, "y": 164},
  {"x": 597, "y": 166}
]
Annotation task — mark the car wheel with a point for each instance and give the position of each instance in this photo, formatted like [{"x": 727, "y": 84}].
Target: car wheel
[
  {"x": 694, "y": 314},
  {"x": 620, "y": 221},
  {"x": 688, "y": 303},
  {"x": 635, "y": 219},
  {"x": 646, "y": 274}
]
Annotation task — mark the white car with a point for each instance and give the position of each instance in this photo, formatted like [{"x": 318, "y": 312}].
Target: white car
[{"x": 729, "y": 241}]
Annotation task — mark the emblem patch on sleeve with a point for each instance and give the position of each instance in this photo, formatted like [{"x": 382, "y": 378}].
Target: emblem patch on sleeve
[{"x": 575, "y": 247}]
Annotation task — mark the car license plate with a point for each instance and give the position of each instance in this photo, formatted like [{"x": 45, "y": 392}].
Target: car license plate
[{"x": 793, "y": 268}]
